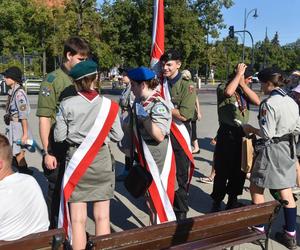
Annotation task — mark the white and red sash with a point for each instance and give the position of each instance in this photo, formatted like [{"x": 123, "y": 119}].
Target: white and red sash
[
  {"x": 162, "y": 189},
  {"x": 83, "y": 157},
  {"x": 179, "y": 131}
]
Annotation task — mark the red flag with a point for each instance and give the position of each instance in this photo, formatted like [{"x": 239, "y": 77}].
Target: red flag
[{"x": 158, "y": 33}]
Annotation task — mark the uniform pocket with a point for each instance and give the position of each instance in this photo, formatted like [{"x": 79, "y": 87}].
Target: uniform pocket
[{"x": 261, "y": 160}]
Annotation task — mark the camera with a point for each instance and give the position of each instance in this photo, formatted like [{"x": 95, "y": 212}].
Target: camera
[{"x": 6, "y": 119}]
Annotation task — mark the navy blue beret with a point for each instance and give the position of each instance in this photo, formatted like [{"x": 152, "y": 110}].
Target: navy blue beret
[
  {"x": 83, "y": 69},
  {"x": 141, "y": 74}
]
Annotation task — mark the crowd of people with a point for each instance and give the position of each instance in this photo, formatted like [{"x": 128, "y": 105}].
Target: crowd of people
[{"x": 156, "y": 130}]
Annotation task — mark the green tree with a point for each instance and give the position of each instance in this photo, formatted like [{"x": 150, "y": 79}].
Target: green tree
[{"x": 184, "y": 33}]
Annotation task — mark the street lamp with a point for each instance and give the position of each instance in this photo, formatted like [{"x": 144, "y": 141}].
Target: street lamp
[{"x": 246, "y": 15}]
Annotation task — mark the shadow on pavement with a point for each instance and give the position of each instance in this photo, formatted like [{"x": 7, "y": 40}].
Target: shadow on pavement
[
  {"x": 204, "y": 143},
  {"x": 197, "y": 158},
  {"x": 199, "y": 200},
  {"x": 120, "y": 212}
]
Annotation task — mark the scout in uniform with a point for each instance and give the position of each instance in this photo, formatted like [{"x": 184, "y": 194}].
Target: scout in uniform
[
  {"x": 96, "y": 180},
  {"x": 152, "y": 117},
  {"x": 16, "y": 118},
  {"x": 186, "y": 74},
  {"x": 182, "y": 100},
  {"x": 54, "y": 88},
  {"x": 295, "y": 94},
  {"x": 233, "y": 111},
  {"x": 275, "y": 164},
  {"x": 126, "y": 101}
]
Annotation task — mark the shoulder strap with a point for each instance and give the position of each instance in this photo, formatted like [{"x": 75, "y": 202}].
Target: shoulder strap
[
  {"x": 139, "y": 136},
  {"x": 12, "y": 97}
]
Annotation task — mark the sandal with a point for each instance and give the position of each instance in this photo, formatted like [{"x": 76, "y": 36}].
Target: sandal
[{"x": 206, "y": 179}]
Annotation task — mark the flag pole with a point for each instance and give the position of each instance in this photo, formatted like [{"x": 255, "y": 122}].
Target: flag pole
[{"x": 158, "y": 35}]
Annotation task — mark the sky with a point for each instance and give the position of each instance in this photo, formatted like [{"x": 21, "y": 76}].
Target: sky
[{"x": 275, "y": 15}]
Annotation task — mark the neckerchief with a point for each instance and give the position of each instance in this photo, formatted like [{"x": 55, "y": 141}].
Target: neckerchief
[
  {"x": 151, "y": 99},
  {"x": 90, "y": 94},
  {"x": 242, "y": 102},
  {"x": 171, "y": 82}
]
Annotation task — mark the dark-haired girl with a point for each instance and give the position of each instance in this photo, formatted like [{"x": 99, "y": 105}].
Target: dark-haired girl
[
  {"x": 275, "y": 164},
  {"x": 153, "y": 121}
]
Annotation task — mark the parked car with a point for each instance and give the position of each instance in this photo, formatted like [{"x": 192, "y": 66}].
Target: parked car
[
  {"x": 32, "y": 85},
  {"x": 3, "y": 86},
  {"x": 255, "y": 78}
]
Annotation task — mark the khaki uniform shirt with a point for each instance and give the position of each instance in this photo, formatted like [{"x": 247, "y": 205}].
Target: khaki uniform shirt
[
  {"x": 18, "y": 106},
  {"x": 50, "y": 92},
  {"x": 73, "y": 123},
  {"x": 160, "y": 114},
  {"x": 183, "y": 96},
  {"x": 278, "y": 115},
  {"x": 274, "y": 167},
  {"x": 229, "y": 112}
]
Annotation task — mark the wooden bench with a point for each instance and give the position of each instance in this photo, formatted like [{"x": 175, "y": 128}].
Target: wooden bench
[
  {"x": 52, "y": 239},
  {"x": 211, "y": 231}
]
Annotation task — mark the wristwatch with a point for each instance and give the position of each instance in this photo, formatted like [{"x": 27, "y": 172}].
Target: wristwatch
[{"x": 44, "y": 152}]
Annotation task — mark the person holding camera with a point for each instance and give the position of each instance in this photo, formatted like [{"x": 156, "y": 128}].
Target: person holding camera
[
  {"x": 233, "y": 111},
  {"x": 16, "y": 117},
  {"x": 152, "y": 121}
]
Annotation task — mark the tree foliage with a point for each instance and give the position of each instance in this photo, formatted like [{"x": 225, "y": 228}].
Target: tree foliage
[{"x": 119, "y": 32}]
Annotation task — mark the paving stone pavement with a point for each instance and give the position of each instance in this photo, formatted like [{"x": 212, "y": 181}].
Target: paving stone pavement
[{"x": 127, "y": 212}]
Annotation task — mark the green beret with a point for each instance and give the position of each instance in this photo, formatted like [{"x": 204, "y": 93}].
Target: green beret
[{"x": 83, "y": 69}]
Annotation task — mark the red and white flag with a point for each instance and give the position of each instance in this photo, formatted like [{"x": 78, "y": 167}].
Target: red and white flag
[
  {"x": 158, "y": 35},
  {"x": 83, "y": 157}
]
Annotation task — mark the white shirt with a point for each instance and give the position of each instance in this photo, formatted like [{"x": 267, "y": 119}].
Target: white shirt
[{"x": 23, "y": 210}]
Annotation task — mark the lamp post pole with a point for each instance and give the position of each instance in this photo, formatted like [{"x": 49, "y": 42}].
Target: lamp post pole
[
  {"x": 246, "y": 15},
  {"x": 24, "y": 61},
  {"x": 206, "y": 65}
]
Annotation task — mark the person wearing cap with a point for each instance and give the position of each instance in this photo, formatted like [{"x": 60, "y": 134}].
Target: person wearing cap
[
  {"x": 275, "y": 164},
  {"x": 17, "y": 113},
  {"x": 152, "y": 119},
  {"x": 54, "y": 88},
  {"x": 181, "y": 95},
  {"x": 78, "y": 126},
  {"x": 233, "y": 110}
]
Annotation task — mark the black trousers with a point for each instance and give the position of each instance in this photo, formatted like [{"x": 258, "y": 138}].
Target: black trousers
[
  {"x": 229, "y": 177},
  {"x": 182, "y": 167},
  {"x": 54, "y": 178},
  {"x": 194, "y": 130}
]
